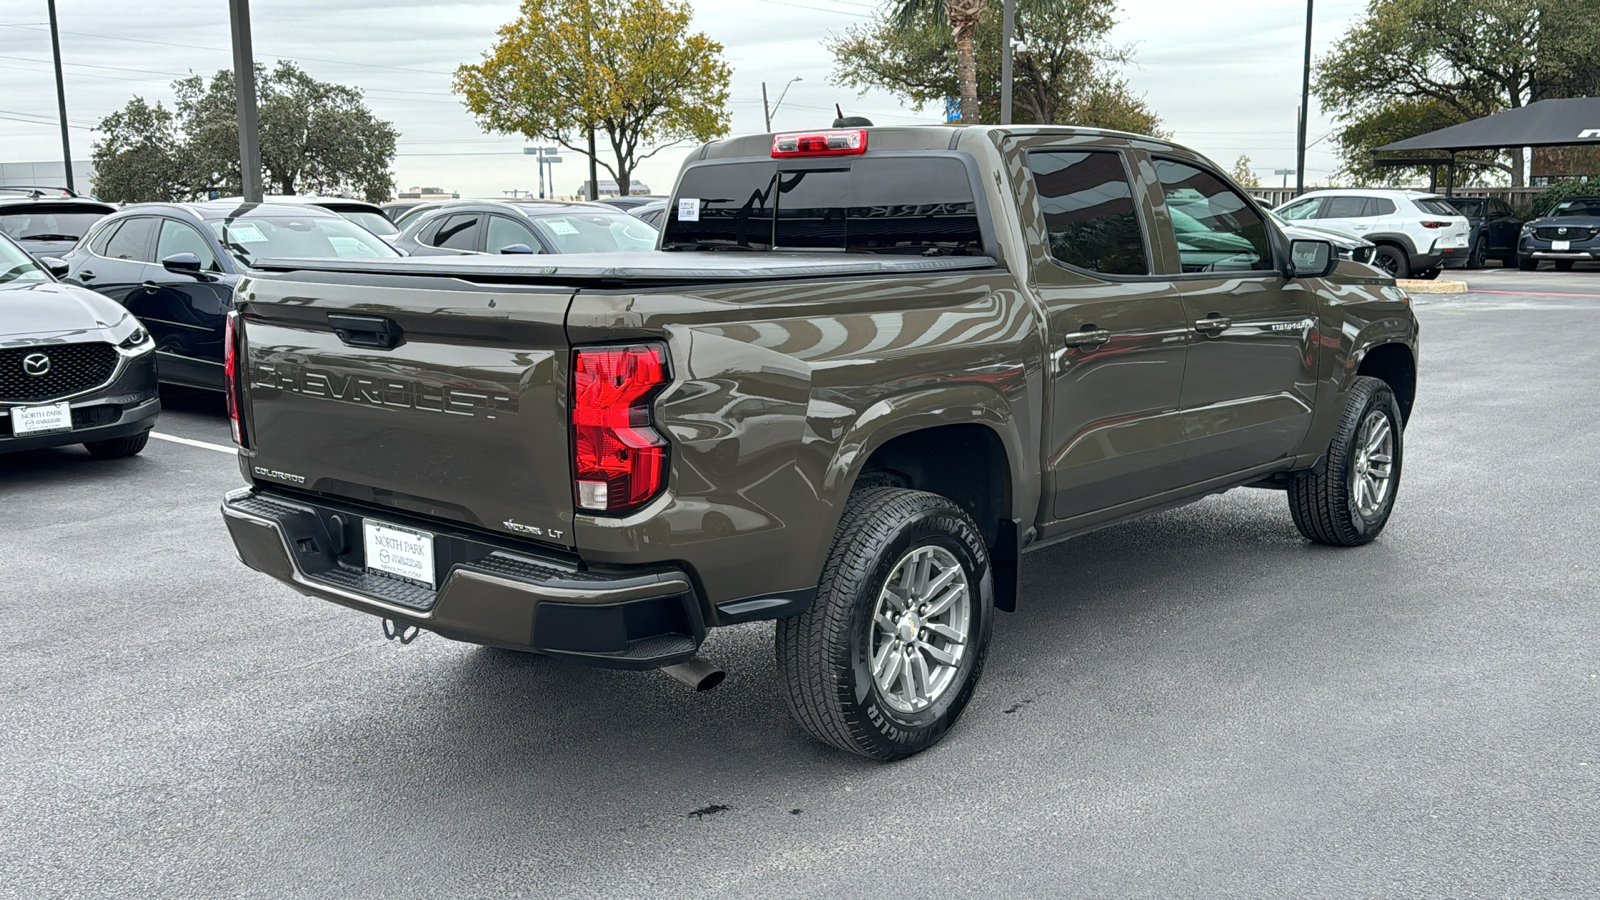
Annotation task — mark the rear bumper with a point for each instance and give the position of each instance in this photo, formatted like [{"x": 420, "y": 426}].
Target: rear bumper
[{"x": 487, "y": 594}]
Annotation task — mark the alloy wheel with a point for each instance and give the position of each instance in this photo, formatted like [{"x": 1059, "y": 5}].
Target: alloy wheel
[
  {"x": 919, "y": 629},
  {"x": 1372, "y": 469}
]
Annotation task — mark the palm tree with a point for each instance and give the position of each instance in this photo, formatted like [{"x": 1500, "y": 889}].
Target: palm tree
[{"x": 963, "y": 17}]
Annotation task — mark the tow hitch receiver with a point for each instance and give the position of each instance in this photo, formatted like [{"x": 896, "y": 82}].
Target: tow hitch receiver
[{"x": 404, "y": 632}]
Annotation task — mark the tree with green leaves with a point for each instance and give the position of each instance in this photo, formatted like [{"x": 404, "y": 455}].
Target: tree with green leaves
[
  {"x": 1407, "y": 67},
  {"x": 1068, "y": 73},
  {"x": 316, "y": 137},
  {"x": 962, "y": 18},
  {"x": 630, "y": 69}
]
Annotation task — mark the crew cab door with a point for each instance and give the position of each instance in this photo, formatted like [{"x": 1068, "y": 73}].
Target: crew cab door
[
  {"x": 1251, "y": 373},
  {"x": 1117, "y": 337}
]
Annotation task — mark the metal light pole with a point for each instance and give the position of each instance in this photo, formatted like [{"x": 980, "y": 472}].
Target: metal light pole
[
  {"x": 244, "y": 88},
  {"x": 1305, "y": 112},
  {"x": 1008, "y": 24},
  {"x": 61, "y": 97},
  {"x": 776, "y": 106}
]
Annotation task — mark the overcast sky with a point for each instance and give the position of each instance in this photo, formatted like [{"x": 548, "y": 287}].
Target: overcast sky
[{"x": 1224, "y": 75}]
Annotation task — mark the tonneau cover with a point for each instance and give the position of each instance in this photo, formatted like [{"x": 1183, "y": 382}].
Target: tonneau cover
[{"x": 637, "y": 265}]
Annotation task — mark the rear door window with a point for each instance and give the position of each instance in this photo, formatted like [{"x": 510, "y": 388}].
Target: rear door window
[
  {"x": 1380, "y": 207},
  {"x": 901, "y": 205},
  {"x": 1344, "y": 208},
  {"x": 132, "y": 240},
  {"x": 97, "y": 245},
  {"x": 458, "y": 232},
  {"x": 1089, "y": 212}
]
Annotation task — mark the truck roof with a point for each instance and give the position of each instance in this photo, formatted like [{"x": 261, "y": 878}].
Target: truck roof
[{"x": 923, "y": 137}]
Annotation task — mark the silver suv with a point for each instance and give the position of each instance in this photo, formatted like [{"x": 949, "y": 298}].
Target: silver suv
[{"x": 1415, "y": 232}]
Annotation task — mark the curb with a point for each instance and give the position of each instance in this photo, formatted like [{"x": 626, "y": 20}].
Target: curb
[{"x": 1418, "y": 286}]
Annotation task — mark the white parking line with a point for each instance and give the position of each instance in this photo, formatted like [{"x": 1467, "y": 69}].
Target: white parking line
[{"x": 193, "y": 443}]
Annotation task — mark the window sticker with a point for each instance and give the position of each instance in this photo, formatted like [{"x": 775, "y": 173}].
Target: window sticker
[
  {"x": 245, "y": 233},
  {"x": 689, "y": 209},
  {"x": 560, "y": 226}
]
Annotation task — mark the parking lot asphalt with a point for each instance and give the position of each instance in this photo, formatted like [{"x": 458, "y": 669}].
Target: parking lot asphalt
[{"x": 1200, "y": 704}]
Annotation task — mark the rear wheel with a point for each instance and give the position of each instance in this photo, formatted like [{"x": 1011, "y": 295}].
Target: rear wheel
[
  {"x": 1390, "y": 259},
  {"x": 1563, "y": 265},
  {"x": 118, "y": 448},
  {"x": 1479, "y": 256},
  {"x": 1348, "y": 502},
  {"x": 1527, "y": 263},
  {"x": 887, "y": 656}
]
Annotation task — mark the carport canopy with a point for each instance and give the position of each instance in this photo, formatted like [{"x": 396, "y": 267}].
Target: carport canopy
[{"x": 1547, "y": 123}]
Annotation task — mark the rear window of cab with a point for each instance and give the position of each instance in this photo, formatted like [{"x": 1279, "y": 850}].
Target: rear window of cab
[{"x": 919, "y": 205}]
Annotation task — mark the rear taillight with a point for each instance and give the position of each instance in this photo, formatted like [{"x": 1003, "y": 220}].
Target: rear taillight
[
  {"x": 619, "y": 462},
  {"x": 230, "y": 375},
  {"x": 1435, "y": 224},
  {"x": 837, "y": 142}
]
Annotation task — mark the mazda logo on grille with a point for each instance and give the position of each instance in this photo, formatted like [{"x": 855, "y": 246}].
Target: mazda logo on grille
[
  {"x": 36, "y": 364},
  {"x": 1562, "y": 232}
]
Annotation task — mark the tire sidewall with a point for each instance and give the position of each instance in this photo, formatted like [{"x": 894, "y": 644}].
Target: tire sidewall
[
  {"x": 1380, "y": 399},
  {"x": 1400, "y": 269},
  {"x": 894, "y": 734}
]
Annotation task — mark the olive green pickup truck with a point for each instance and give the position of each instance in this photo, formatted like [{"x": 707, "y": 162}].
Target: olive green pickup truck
[{"x": 865, "y": 371}]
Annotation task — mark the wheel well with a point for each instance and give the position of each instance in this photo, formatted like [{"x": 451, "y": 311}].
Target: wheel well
[
  {"x": 1394, "y": 364},
  {"x": 966, "y": 463}
]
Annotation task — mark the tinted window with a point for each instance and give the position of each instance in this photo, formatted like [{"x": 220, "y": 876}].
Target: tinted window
[
  {"x": 1437, "y": 207},
  {"x": 1344, "y": 208},
  {"x": 1468, "y": 207},
  {"x": 503, "y": 233},
  {"x": 369, "y": 220},
  {"x": 177, "y": 237},
  {"x": 906, "y": 205},
  {"x": 1305, "y": 209},
  {"x": 132, "y": 240},
  {"x": 1381, "y": 207},
  {"x": 457, "y": 233},
  {"x": 1216, "y": 228},
  {"x": 47, "y": 223},
  {"x": 595, "y": 232},
  {"x": 1089, "y": 212},
  {"x": 1499, "y": 208},
  {"x": 294, "y": 237},
  {"x": 98, "y": 244}
]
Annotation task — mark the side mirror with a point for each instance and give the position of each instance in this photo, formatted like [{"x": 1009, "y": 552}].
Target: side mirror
[
  {"x": 56, "y": 267},
  {"x": 182, "y": 263},
  {"x": 1311, "y": 259},
  {"x": 510, "y": 249}
]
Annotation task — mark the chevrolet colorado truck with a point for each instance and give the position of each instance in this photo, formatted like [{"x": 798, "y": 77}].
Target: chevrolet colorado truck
[{"x": 863, "y": 372}]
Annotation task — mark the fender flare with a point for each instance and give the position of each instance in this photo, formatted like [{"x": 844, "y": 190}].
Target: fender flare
[{"x": 1393, "y": 237}]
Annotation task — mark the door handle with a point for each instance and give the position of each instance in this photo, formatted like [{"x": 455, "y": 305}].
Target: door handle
[
  {"x": 86, "y": 275},
  {"x": 366, "y": 331},
  {"x": 1213, "y": 324},
  {"x": 1088, "y": 336},
  {"x": 151, "y": 286}
]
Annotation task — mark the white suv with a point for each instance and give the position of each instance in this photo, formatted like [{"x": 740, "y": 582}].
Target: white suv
[{"x": 1415, "y": 231}]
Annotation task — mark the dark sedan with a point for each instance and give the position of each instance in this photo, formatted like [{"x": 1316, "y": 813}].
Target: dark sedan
[
  {"x": 48, "y": 221},
  {"x": 75, "y": 368},
  {"x": 1495, "y": 228},
  {"x": 175, "y": 266},
  {"x": 494, "y": 226},
  {"x": 1568, "y": 234}
]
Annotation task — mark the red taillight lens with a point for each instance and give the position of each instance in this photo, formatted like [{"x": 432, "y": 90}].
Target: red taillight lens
[
  {"x": 230, "y": 375},
  {"x": 619, "y": 462},
  {"x": 838, "y": 142},
  {"x": 1434, "y": 224}
]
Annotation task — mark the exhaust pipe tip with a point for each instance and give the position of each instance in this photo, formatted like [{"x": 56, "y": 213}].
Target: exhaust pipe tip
[{"x": 697, "y": 673}]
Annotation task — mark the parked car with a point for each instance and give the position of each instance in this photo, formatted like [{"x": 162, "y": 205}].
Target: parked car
[
  {"x": 506, "y": 226},
  {"x": 1415, "y": 232},
  {"x": 175, "y": 265},
  {"x": 1569, "y": 233},
  {"x": 631, "y": 202},
  {"x": 402, "y": 212},
  {"x": 47, "y": 221},
  {"x": 653, "y": 214},
  {"x": 368, "y": 215},
  {"x": 1495, "y": 229},
  {"x": 75, "y": 368},
  {"x": 1346, "y": 246},
  {"x": 866, "y": 370}
]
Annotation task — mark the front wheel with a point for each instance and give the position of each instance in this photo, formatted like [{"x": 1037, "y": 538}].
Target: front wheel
[
  {"x": 1390, "y": 259},
  {"x": 887, "y": 656},
  {"x": 118, "y": 448},
  {"x": 1348, "y": 501},
  {"x": 1527, "y": 263}
]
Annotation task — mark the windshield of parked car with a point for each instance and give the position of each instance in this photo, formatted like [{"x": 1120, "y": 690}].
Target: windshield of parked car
[
  {"x": 371, "y": 221},
  {"x": 17, "y": 265},
  {"x": 1588, "y": 206},
  {"x": 595, "y": 232},
  {"x": 1467, "y": 206},
  {"x": 287, "y": 236},
  {"x": 47, "y": 224}
]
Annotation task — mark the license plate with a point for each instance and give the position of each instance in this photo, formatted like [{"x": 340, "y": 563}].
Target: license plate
[
  {"x": 399, "y": 552},
  {"x": 41, "y": 419},
  {"x": 1560, "y": 245}
]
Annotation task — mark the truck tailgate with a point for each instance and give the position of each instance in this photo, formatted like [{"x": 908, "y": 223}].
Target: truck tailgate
[{"x": 463, "y": 418}]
